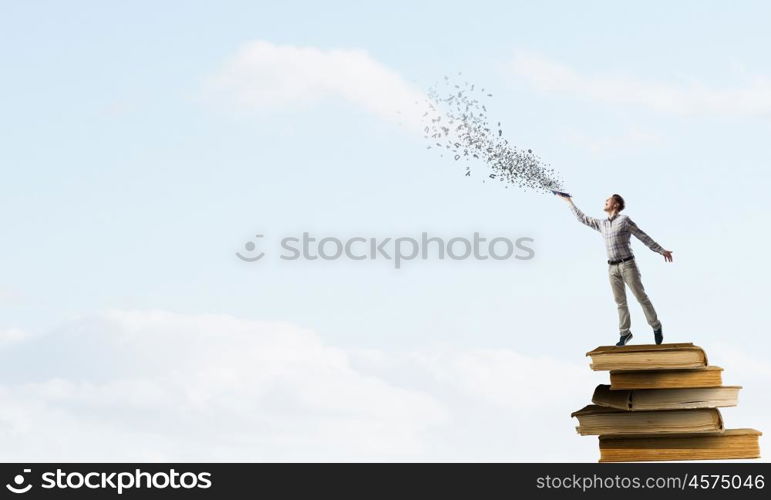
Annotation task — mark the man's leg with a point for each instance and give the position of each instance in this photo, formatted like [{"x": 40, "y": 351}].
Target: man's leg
[
  {"x": 631, "y": 275},
  {"x": 619, "y": 295}
]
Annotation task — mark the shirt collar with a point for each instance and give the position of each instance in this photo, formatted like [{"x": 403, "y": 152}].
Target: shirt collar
[{"x": 613, "y": 217}]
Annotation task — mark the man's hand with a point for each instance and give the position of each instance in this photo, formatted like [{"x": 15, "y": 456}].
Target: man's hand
[
  {"x": 566, "y": 199},
  {"x": 667, "y": 255}
]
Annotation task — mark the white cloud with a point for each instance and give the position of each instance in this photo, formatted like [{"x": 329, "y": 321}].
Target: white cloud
[
  {"x": 688, "y": 98},
  {"x": 175, "y": 386},
  {"x": 159, "y": 386},
  {"x": 12, "y": 336},
  {"x": 153, "y": 385},
  {"x": 265, "y": 75}
]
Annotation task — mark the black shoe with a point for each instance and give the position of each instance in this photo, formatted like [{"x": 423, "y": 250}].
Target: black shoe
[
  {"x": 658, "y": 335},
  {"x": 624, "y": 339}
]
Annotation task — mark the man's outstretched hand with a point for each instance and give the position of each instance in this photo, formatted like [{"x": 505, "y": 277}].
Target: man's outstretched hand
[
  {"x": 667, "y": 255},
  {"x": 566, "y": 199}
]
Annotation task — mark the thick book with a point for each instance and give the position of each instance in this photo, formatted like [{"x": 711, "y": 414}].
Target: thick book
[
  {"x": 596, "y": 420},
  {"x": 648, "y": 357},
  {"x": 730, "y": 444},
  {"x": 666, "y": 399},
  {"x": 709, "y": 376}
]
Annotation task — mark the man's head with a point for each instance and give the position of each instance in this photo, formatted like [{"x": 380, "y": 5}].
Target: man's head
[{"x": 615, "y": 203}]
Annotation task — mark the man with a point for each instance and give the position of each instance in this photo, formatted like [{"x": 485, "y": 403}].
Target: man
[{"x": 622, "y": 270}]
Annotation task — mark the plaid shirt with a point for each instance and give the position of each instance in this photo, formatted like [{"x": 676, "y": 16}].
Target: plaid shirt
[{"x": 617, "y": 231}]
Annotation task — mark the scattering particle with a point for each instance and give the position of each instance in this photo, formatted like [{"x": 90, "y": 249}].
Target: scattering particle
[{"x": 474, "y": 137}]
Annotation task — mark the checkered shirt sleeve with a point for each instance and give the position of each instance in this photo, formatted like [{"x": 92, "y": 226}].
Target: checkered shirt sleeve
[{"x": 617, "y": 233}]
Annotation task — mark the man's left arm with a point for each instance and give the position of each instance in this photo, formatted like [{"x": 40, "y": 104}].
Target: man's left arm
[{"x": 647, "y": 240}]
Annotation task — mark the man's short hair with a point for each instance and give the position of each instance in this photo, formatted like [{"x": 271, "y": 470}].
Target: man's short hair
[{"x": 620, "y": 200}]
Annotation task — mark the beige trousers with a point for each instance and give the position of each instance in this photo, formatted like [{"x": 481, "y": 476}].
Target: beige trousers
[{"x": 627, "y": 273}]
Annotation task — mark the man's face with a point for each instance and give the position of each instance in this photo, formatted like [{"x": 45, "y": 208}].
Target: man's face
[{"x": 610, "y": 204}]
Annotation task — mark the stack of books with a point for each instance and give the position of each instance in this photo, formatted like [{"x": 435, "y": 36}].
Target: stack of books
[{"x": 662, "y": 404}]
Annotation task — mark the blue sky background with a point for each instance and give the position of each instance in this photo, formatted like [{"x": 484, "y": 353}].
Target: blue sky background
[{"x": 129, "y": 184}]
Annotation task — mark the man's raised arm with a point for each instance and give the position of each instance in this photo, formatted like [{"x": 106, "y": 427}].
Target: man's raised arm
[{"x": 582, "y": 218}]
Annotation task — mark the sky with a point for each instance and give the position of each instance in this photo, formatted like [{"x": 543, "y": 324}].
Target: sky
[{"x": 145, "y": 144}]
